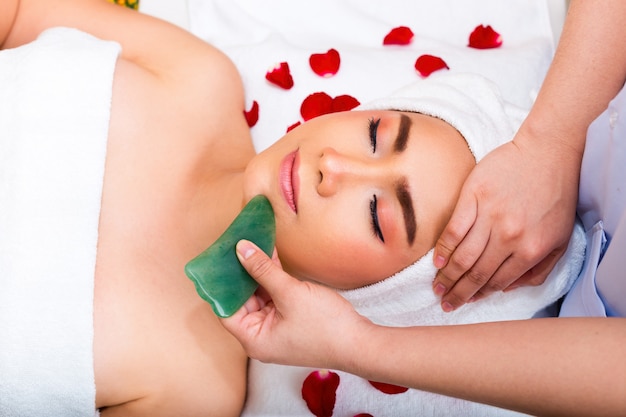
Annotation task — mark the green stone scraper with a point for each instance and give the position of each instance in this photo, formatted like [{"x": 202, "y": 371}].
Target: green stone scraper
[{"x": 217, "y": 274}]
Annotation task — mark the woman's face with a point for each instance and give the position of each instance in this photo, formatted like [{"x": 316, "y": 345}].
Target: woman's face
[{"x": 360, "y": 195}]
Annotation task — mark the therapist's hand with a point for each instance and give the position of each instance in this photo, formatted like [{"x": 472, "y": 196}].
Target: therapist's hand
[
  {"x": 293, "y": 322},
  {"x": 512, "y": 222}
]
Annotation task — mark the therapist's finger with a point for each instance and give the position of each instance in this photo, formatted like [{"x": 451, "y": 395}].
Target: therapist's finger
[
  {"x": 512, "y": 275},
  {"x": 475, "y": 284},
  {"x": 477, "y": 276},
  {"x": 251, "y": 322},
  {"x": 267, "y": 272},
  {"x": 495, "y": 269},
  {"x": 464, "y": 259},
  {"x": 461, "y": 221}
]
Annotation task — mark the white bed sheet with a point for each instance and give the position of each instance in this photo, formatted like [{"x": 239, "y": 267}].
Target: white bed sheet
[
  {"x": 177, "y": 12},
  {"x": 259, "y": 34}
]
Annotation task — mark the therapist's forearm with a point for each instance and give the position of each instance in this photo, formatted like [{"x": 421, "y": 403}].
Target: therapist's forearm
[
  {"x": 560, "y": 366},
  {"x": 588, "y": 70}
]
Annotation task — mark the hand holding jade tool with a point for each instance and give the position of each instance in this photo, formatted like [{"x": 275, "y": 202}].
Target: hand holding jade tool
[{"x": 217, "y": 274}]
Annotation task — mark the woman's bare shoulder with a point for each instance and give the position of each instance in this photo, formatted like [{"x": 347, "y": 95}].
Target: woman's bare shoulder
[
  {"x": 173, "y": 69},
  {"x": 159, "y": 46}
]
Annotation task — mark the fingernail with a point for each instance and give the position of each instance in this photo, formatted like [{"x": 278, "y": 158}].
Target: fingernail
[
  {"x": 439, "y": 261},
  {"x": 439, "y": 289},
  {"x": 245, "y": 249},
  {"x": 447, "y": 307}
]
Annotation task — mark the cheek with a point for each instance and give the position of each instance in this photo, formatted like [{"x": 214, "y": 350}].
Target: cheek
[
  {"x": 337, "y": 257},
  {"x": 331, "y": 242}
]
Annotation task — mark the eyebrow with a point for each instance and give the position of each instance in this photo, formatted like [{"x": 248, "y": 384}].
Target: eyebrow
[
  {"x": 404, "y": 197},
  {"x": 402, "y": 188},
  {"x": 403, "y": 133}
]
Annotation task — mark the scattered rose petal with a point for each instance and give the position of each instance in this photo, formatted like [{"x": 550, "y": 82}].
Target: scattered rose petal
[
  {"x": 319, "y": 391},
  {"x": 316, "y": 104},
  {"x": 252, "y": 115},
  {"x": 427, "y": 64},
  {"x": 344, "y": 102},
  {"x": 320, "y": 103},
  {"x": 293, "y": 126},
  {"x": 280, "y": 75},
  {"x": 364, "y": 415},
  {"x": 484, "y": 37},
  {"x": 401, "y": 35},
  {"x": 326, "y": 64},
  {"x": 388, "y": 388}
]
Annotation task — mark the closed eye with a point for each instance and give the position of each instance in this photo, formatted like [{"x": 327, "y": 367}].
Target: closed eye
[
  {"x": 373, "y": 131},
  {"x": 374, "y": 217}
]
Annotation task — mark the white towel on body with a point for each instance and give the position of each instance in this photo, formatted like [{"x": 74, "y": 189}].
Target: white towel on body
[
  {"x": 55, "y": 98},
  {"x": 475, "y": 108}
]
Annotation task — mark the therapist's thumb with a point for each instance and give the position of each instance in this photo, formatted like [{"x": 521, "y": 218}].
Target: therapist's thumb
[{"x": 267, "y": 272}]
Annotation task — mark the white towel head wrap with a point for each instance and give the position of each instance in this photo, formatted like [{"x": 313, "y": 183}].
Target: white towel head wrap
[{"x": 469, "y": 102}]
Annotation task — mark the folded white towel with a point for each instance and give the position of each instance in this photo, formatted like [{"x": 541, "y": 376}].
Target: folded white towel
[
  {"x": 407, "y": 298},
  {"x": 55, "y": 97}
]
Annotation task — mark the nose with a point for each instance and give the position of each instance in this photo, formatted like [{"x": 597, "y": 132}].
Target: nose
[{"x": 337, "y": 170}]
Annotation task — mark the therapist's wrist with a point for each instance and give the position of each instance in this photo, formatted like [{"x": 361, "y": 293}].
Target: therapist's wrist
[
  {"x": 557, "y": 141},
  {"x": 354, "y": 345}
]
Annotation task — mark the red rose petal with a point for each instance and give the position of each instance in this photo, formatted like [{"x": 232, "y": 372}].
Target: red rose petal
[
  {"x": 401, "y": 35},
  {"x": 252, "y": 115},
  {"x": 364, "y": 415},
  {"x": 293, "y": 126},
  {"x": 427, "y": 64},
  {"x": 319, "y": 391},
  {"x": 484, "y": 37},
  {"x": 325, "y": 65},
  {"x": 388, "y": 388},
  {"x": 320, "y": 103},
  {"x": 280, "y": 75},
  {"x": 344, "y": 103},
  {"x": 316, "y": 104}
]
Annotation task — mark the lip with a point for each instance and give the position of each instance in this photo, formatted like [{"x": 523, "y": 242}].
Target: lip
[{"x": 289, "y": 180}]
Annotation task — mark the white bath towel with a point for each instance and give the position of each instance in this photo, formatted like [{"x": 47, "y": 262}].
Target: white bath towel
[{"x": 55, "y": 97}]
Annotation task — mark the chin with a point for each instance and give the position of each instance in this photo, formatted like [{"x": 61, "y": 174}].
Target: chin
[{"x": 255, "y": 180}]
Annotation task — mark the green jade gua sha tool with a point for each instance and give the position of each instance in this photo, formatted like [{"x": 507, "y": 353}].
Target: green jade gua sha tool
[{"x": 217, "y": 274}]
